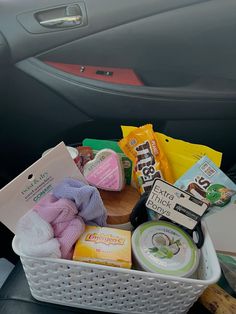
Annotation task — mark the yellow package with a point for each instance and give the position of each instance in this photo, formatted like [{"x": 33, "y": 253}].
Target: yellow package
[
  {"x": 106, "y": 246},
  {"x": 180, "y": 154},
  {"x": 142, "y": 147}
]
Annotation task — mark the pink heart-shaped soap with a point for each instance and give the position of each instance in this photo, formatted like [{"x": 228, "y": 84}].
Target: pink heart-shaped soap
[{"x": 105, "y": 171}]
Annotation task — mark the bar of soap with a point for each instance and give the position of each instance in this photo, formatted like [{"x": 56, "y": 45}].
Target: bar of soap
[{"x": 105, "y": 171}]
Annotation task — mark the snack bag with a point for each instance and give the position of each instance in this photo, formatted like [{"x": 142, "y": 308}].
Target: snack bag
[
  {"x": 228, "y": 266},
  {"x": 208, "y": 183},
  {"x": 86, "y": 154},
  {"x": 143, "y": 148},
  {"x": 181, "y": 155}
]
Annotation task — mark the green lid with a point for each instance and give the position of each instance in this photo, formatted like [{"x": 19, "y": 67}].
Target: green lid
[{"x": 164, "y": 248}]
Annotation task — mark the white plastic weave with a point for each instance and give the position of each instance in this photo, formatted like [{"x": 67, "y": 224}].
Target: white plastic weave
[{"x": 117, "y": 290}]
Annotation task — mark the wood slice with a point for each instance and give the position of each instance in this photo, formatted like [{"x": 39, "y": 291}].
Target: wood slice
[{"x": 119, "y": 205}]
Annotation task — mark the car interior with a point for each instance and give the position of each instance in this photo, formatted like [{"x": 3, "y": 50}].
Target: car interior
[{"x": 71, "y": 70}]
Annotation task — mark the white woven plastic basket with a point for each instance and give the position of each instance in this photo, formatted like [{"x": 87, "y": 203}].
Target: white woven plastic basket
[{"x": 117, "y": 290}]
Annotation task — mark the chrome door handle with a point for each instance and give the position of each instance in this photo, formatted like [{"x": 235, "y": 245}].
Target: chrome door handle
[{"x": 65, "y": 21}]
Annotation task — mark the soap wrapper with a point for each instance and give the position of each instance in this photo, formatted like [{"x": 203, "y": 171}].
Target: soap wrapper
[
  {"x": 97, "y": 145},
  {"x": 105, "y": 171},
  {"x": 208, "y": 183}
]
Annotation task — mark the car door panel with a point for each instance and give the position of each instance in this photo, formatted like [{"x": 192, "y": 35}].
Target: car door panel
[
  {"x": 102, "y": 14},
  {"x": 176, "y": 48},
  {"x": 124, "y": 99}
]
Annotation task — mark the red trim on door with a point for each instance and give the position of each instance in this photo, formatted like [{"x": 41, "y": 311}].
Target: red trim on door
[{"x": 115, "y": 75}]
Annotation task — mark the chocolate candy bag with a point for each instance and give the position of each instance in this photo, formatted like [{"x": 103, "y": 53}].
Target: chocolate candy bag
[
  {"x": 149, "y": 161},
  {"x": 181, "y": 155},
  {"x": 208, "y": 183}
]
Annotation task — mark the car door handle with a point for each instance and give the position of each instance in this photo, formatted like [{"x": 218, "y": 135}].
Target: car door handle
[{"x": 64, "y": 21}]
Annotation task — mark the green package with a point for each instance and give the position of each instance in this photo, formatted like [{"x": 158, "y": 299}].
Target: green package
[
  {"x": 97, "y": 145},
  {"x": 228, "y": 267}
]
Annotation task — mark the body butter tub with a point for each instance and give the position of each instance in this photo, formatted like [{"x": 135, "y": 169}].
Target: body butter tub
[{"x": 164, "y": 248}]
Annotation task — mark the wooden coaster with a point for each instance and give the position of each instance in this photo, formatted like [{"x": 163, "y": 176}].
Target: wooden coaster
[{"x": 119, "y": 205}]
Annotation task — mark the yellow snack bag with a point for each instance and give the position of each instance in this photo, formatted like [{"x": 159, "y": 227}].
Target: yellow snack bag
[
  {"x": 181, "y": 155},
  {"x": 142, "y": 146}
]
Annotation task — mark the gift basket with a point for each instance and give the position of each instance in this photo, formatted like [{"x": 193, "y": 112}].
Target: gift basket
[
  {"x": 121, "y": 225},
  {"x": 117, "y": 290}
]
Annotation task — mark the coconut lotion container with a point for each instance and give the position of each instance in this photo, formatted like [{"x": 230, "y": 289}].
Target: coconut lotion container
[{"x": 164, "y": 248}]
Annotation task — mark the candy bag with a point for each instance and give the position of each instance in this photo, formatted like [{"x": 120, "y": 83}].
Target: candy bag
[
  {"x": 144, "y": 150},
  {"x": 181, "y": 155},
  {"x": 208, "y": 183}
]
